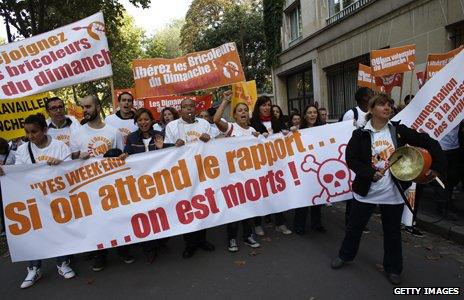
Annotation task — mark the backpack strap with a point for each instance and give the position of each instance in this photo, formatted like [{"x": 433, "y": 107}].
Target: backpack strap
[
  {"x": 6, "y": 156},
  {"x": 355, "y": 113},
  {"x": 31, "y": 155}
]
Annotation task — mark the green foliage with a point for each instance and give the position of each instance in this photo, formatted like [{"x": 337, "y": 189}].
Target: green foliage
[
  {"x": 165, "y": 42},
  {"x": 273, "y": 14},
  {"x": 240, "y": 22}
]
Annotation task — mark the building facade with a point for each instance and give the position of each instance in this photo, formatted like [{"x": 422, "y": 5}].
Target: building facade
[{"x": 323, "y": 41}]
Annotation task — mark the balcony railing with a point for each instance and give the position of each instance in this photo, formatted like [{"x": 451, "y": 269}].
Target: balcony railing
[{"x": 348, "y": 11}]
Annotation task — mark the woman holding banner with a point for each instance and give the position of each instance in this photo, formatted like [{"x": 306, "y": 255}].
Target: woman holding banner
[
  {"x": 241, "y": 127},
  {"x": 42, "y": 148},
  {"x": 264, "y": 122},
  {"x": 143, "y": 140},
  {"x": 311, "y": 118},
  {"x": 367, "y": 156}
]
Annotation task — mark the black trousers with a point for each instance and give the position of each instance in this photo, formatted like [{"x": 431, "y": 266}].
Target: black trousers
[
  {"x": 301, "y": 215},
  {"x": 122, "y": 251},
  {"x": 194, "y": 239},
  {"x": 391, "y": 222},
  {"x": 279, "y": 219},
  {"x": 232, "y": 229}
]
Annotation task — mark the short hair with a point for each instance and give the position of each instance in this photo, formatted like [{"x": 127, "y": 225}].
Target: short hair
[
  {"x": 95, "y": 99},
  {"x": 234, "y": 110},
  {"x": 378, "y": 99},
  {"x": 361, "y": 93},
  {"x": 37, "y": 119},
  {"x": 322, "y": 108},
  {"x": 125, "y": 93},
  {"x": 47, "y": 102},
  {"x": 141, "y": 111}
]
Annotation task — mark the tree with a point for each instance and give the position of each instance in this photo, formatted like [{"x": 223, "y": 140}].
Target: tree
[
  {"x": 273, "y": 14},
  {"x": 165, "y": 42},
  {"x": 242, "y": 23}
]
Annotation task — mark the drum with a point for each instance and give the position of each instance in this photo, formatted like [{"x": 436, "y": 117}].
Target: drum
[{"x": 409, "y": 163}]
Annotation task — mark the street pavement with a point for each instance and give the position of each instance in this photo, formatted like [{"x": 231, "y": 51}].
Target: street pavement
[{"x": 285, "y": 267}]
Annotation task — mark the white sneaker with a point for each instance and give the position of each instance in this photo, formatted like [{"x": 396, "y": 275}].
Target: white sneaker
[
  {"x": 283, "y": 229},
  {"x": 250, "y": 241},
  {"x": 33, "y": 274},
  {"x": 259, "y": 230},
  {"x": 65, "y": 270},
  {"x": 232, "y": 245}
]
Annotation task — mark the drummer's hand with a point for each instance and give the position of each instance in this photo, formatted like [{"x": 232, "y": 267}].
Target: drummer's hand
[
  {"x": 377, "y": 176},
  {"x": 432, "y": 172}
]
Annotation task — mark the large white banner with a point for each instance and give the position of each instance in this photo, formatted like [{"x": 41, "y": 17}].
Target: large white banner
[
  {"x": 438, "y": 106},
  {"x": 71, "y": 54},
  {"x": 93, "y": 204}
]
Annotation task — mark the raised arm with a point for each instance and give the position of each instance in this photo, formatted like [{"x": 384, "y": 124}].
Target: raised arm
[{"x": 217, "y": 119}]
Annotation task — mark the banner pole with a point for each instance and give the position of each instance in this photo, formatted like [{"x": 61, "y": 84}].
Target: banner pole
[
  {"x": 410, "y": 84},
  {"x": 401, "y": 89},
  {"x": 112, "y": 94}
]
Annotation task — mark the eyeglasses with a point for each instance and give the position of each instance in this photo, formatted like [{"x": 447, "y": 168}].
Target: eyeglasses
[{"x": 53, "y": 108}]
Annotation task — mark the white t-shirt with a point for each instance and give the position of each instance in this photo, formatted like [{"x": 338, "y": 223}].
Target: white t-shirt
[
  {"x": 97, "y": 141},
  {"x": 64, "y": 134},
  {"x": 233, "y": 129},
  {"x": 268, "y": 125},
  {"x": 188, "y": 132},
  {"x": 451, "y": 140},
  {"x": 56, "y": 149},
  {"x": 10, "y": 160},
  {"x": 360, "y": 122},
  {"x": 125, "y": 126},
  {"x": 146, "y": 142},
  {"x": 157, "y": 127},
  {"x": 384, "y": 190}
]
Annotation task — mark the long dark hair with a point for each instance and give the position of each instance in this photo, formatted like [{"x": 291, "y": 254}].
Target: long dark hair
[
  {"x": 304, "y": 122},
  {"x": 277, "y": 126},
  {"x": 173, "y": 112}
]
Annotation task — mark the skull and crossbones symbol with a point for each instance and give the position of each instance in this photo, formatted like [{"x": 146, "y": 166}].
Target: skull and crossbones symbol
[{"x": 333, "y": 175}]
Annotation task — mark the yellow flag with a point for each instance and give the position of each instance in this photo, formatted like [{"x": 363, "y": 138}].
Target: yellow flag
[
  {"x": 14, "y": 112},
  {"x": 244, "y": 92}
]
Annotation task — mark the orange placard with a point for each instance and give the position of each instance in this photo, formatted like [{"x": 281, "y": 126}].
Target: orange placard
[
  {"x": 365, "y": 78},
  {"x": 118, "y": 92},
  {"x": 156, "y": 104},
  {"x": 75, "y": 111},
  {"x": 393, "y": 60},
  {"x": 435, "y": 62},
  {"x": 195, "y": 71}
]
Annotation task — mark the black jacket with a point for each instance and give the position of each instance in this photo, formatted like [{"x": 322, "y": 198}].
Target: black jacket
[
  {"x": 359, "y": 154},
  {"x": 134, "y": 142}
]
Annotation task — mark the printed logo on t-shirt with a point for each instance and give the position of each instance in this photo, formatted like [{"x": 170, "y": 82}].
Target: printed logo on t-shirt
[
  {"x": 192, "y": 135},
  {"x": 43, "y": 158},
  {"x": 65, "y": 138},
  {"x": 382, "y": 151},
  {"x": 98, "y": 145}
]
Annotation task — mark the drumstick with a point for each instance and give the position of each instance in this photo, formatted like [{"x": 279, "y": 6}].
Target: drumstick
[
  {"x": 394, "y": 162},
  {"x": 439, "y": 182}
]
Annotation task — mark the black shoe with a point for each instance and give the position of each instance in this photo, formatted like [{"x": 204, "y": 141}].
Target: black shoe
[
  {"x": 299, "y": 231},
  {"x": 206, "y": 246},
  {"x": 394, "y": 279},
  {"x": 337, "y": 263},
  {"x": 451, "y": 216},
  {"x": 127, "y": 258},
  {"x": 366, "y": 230},
  {"x": 319, "y": 228},
  {"x": 412, "y": 230},
  {"x": 188, "y": 252},
  {"x": 99, "y": 263}
]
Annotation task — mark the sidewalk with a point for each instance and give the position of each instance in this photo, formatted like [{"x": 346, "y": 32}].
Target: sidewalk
[{"x": 429, "y": 219}]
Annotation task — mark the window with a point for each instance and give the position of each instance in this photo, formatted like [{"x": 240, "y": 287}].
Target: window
[
  {"x": 294, "y": 18},
  {"x": 339, "y": 9},
  {"x": 300, "y": 90},
  {"x": 342, "y": 80},
  {"x": 335, "y": 6},
  {"x": 457, "y": 33}
]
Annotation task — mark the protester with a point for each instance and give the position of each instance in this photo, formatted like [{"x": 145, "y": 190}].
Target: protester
[
  {"x": 241, "y": 127},
  {"x": 323, "y": 115},
  {"x": 123, "y": 119},
  {"x": 265, "y": 123},
  {"x": 60, "y": 126},
  {"x": 208, "y": 114},
  {"x": 279, "y": 115},
  {"x": 295, "y": 121},
  {"x": 367, "y": 156},
  {"x": 311, "y": 118},
  {"x": 94, "y": 139},
  {"x": 15, "y": 143},
  {"x": 358, "y": 115},
  {"x": 184, "y": 130},
  {"x": 7, "y": 157},
  {"x": 168, "y": 114},
  {"x": 145, "y": 139},
  {"x": 42, "y": 148}
]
